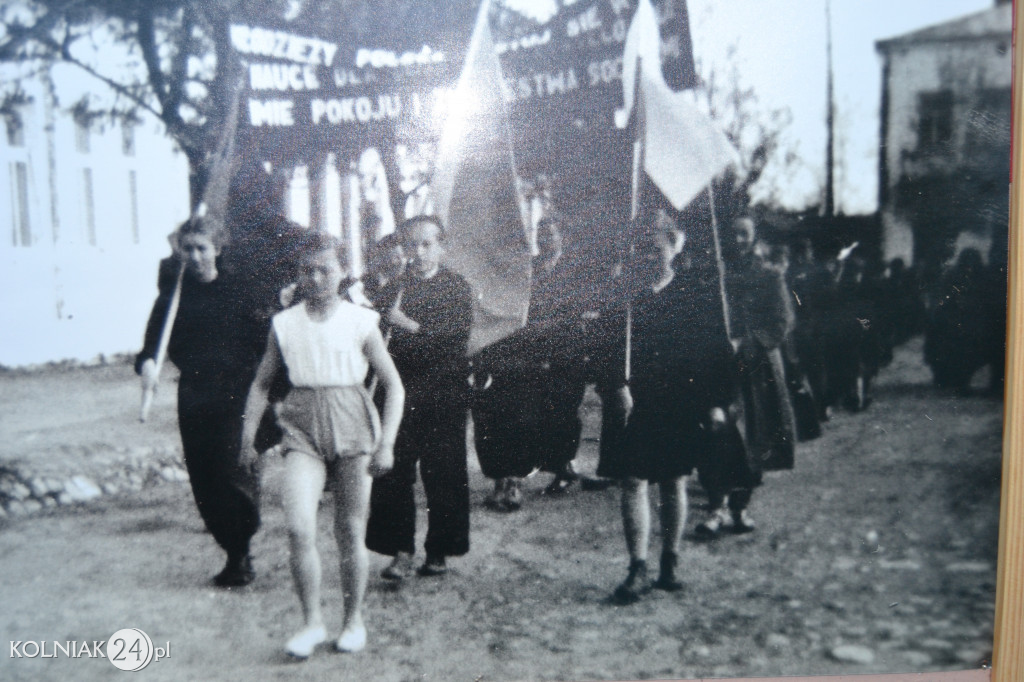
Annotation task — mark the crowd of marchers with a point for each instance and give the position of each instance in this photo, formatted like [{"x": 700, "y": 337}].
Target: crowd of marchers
[{"x": 716, "y": 367}]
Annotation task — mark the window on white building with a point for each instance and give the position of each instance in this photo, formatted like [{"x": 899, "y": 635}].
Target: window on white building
[
  {"x": 133, "y": 204},
  {"x": 15, "y": 129},
  {"x": 934, "y": 119},
  {"x": 89, "y": 205},
  {"x": 21, "y": 234},
  {"x": 128, "y": 138},
  {"x": 82, "y": 141}
]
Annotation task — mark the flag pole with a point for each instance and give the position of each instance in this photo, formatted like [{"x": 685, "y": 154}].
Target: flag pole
[
  {"x": 161, "y": 350},
  {"x": 720, "y": 260},
  {"x": 636, "y": 178},
  {"x": 215, "y": 200}
]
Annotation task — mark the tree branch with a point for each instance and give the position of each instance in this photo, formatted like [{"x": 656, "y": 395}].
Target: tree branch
[
  {"x": 19, "y": 36},
  {"x": 150, "y": 57},
  {"x": 114, "y": 85}
]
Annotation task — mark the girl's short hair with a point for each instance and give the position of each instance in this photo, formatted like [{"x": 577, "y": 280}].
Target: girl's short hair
[
  {"x": 389, "y": 241},
  {"x": 315, "y": 241},
  {"x": 213, "y": 230}
]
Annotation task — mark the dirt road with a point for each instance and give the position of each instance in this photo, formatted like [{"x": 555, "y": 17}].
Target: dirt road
[{"x": 879, "y": 549}]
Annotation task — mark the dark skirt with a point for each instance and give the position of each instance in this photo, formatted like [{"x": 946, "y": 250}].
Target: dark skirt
[
  {"x": 525, "y": 403},
  {"x": 666, "y": 437},
  {"x": 768, "y": 412}
]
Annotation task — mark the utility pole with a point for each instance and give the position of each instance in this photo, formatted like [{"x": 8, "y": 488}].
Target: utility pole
[{"x": 830, "y": 123}]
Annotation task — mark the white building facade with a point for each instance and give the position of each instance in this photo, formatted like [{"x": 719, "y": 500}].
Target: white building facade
[
  {"x": 88, "y": 206},
  {"x": 945, "y": 138}
]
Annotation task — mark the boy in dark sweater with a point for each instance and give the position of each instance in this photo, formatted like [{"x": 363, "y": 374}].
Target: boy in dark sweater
[{"x": 430, "y": 320}]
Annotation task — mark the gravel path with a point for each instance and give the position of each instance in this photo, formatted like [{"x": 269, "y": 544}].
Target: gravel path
[{"x": 877, "y": 554}]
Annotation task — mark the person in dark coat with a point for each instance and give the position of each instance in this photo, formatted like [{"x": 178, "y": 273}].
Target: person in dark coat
[
  {"x": 556, "y": 312},
  {"x": 527, "y": 417},
  {"x": 430, "y": 320},
  {"x": 680, "y": 383},
  {"x": 854, "y": 334},
  {"x": 811, "y": 284},
  {"x": 966, "y": 330},
  {"x": 215, "y": 343},
  {"x": 387, "y": 263},
  {"x": 761, "y": 318}
]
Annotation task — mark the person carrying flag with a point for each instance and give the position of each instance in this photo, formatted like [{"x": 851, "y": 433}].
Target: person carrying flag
[
  {"x": 215, "y": 343},
  {"x": 676, "y": 398}
]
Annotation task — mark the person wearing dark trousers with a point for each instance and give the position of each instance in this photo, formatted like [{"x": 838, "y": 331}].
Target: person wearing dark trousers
[
  {"x": 215, "y": 345},
  {"x": 430, "y": 320}
]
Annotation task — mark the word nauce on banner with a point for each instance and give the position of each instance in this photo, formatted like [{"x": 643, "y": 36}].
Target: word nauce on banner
[
  {"x": 362, "y": 132},
  {"x": 311, "y": 95}
]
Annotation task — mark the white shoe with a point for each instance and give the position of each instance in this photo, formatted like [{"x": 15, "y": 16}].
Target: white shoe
[
  {"x": 352, "y": 640},
  {"x": 305, "y": 642}
]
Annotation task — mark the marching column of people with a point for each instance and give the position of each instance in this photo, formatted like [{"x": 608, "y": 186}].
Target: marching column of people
[{"x": 697, "y": 370}]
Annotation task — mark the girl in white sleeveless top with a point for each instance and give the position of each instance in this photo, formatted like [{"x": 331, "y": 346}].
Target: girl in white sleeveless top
[{"x": 332, "y": 433}]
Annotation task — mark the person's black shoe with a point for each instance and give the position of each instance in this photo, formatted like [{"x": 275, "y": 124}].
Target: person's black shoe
[
  {"x": 636, "y": 585},
  {"x": 667, "y": 579},
  {"x": 400, "y": 568},
  {"x": 564, "y": 478},
  {"x": 496, "y": 499},
  {"x": 236, "y": 573},
  {"x": 512, "y": 498},
  {"x": 559, "y": 486}
]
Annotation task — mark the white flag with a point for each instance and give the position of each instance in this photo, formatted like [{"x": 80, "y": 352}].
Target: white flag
[
  {"x": 684, "y": 149},
  {"x": 643, "y": 41}
]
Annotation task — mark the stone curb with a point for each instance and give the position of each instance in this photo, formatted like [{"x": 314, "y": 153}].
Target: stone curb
[{"x": 26, "y": 490}]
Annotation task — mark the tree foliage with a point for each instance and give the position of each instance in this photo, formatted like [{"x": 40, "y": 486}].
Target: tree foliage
[
  {"x": 171, "y": 58},
  {"x": 755, "y": 133}
]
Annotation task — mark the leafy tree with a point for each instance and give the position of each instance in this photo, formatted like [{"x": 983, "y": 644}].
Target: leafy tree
[
  {"x": 174, "y": 59},
  {"x": 171, "y": 58}
]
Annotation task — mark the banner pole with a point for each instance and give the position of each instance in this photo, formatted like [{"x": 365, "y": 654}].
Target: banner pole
[
  {"x": 720, "y": 260},
  {"x": 636, "y": 178},
  {"x": 161, "y": 349}
]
